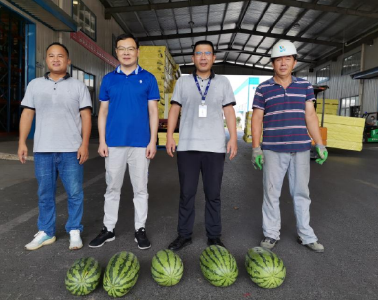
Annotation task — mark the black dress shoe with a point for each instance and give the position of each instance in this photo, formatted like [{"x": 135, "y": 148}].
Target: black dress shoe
[
  {"x": 215, "y": 242},
  {"x": 179, "y": 243}
]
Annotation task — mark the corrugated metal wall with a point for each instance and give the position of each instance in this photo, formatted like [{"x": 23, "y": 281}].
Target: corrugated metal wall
[
  {"x": 341, "y": 86},
  {"x": 80, "y": 57}
]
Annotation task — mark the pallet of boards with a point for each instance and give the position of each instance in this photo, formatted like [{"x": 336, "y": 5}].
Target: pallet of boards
[
  {"x": 344, "y": 132},
  {"x": 331, "y": 106},
  {"x": 162, "y": 136},
  {"x": 247, "y": 127}
]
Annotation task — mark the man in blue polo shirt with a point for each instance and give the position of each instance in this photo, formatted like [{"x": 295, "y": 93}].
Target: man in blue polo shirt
[
  {"x": 127, "y": 124},
  {"x": 284, "y": 112}
]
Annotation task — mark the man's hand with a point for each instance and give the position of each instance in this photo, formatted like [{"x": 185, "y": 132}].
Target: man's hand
[
  {"x": 232, "y": 148},
  {"x": 151, "y": 150},
  {"x": 257, "y": 158},
  {"x": 22, "y": 153},
  {"x": 323, "y": 154},
  {"x": 103, "y": 150},
  {"x": 170, "y": 146},
  {"x": 82, "y": 154}
]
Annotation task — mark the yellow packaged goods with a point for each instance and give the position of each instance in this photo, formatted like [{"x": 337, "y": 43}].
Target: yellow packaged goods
[
  {"x": 343, "y": 132},
  {"x": 162, "y": 136},
  {"x": 247, "y": 138},
  {"x": 158, "y": 61},
  {"x": 331, "y": 106},
  {"x": 247, "y": 130}
]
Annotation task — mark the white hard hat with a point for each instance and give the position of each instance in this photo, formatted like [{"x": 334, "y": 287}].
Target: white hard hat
[{"x": 283, "y": 48}]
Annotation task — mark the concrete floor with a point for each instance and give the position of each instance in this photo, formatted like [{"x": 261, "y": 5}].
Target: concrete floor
[{"x": 344, "y": 215}]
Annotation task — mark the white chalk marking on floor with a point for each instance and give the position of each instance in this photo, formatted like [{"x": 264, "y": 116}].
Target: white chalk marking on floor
[
  {"x": 368, "y": 183},
  {"x": 33, "y": 212}
]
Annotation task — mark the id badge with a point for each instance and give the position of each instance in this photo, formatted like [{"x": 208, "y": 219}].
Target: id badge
[{"x": 202, "y": 111}]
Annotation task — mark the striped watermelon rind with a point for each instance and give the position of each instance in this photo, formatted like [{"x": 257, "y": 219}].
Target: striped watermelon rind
[
  {"x": 121, "y": 274},
  {"x": 218, "y": 266},
  {"x": 265, "y": 268},
  {"x": 167, "y": 268},
  {"x": 83, "y": 276}
]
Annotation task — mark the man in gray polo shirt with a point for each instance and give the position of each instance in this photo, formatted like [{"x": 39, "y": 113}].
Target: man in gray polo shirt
[
  {"x": 62, "y": 106},
  {"x": 202, "y": 98}
]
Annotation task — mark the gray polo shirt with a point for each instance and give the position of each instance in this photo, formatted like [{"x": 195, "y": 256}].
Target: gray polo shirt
[
  {"x": 57, "y": 108},
  {"x": 202, "y": 134}
]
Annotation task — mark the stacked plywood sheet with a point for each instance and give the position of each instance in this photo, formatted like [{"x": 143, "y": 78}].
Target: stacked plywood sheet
[
  {"x": 162, "y": 136},
  {"x": 158, "y": 61},
  {"x": 331, "y": 106},
  {"x": 247, "y": 128},
  {"x": 344, "y": 132}
]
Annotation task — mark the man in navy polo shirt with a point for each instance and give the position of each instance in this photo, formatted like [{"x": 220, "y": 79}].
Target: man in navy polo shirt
[
  {"x": 127, "y": 124},
  {"x": 284, "y": 112}
]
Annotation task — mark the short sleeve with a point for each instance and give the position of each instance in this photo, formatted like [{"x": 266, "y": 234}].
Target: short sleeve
[
  {"x": 153, "y": 93},
  {"x": 310, "y": 96},
  {"x": 104, "y": 92},
  {"x": 85, "y": 98},
  {"x": 258, "y": 100},
  {"x": 176, "y": 97},
  {"x": 229, "y": 97},
  {"x": 28, "y": 100}
]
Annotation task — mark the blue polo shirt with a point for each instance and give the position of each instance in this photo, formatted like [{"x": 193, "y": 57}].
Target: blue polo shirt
[
  {"x": 127, "y": 124},
  {"x": 284, "y": 123}
]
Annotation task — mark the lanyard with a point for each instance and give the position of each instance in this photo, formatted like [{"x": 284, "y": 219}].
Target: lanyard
[{"x": 203, "y": 96}]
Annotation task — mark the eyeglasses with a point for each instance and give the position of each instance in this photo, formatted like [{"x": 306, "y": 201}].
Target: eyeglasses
[
  {"x": 199, "y": 53},
  {"x": 129, "y": 50}
]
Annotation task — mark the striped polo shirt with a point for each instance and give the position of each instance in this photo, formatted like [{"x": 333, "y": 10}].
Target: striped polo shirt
[{"x": 284, "y": 124}]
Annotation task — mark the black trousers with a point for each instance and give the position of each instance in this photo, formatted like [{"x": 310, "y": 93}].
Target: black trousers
[{"x": 190, "y": 164}]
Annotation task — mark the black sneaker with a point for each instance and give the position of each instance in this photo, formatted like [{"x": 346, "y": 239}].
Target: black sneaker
[
  {"x": 141, "y": 239},
  {"x": 268, "y": 243},
  {"x": 104, "y": 237},
  {"x": 215, "y": 242},
  {"x": 179, "y": 243}
]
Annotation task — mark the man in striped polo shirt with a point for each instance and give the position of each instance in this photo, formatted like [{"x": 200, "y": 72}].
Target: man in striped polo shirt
[{"x": 285, "y": 114}]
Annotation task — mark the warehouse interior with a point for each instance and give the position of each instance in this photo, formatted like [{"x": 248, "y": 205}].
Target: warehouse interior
[{"x": 337, "y": 43}]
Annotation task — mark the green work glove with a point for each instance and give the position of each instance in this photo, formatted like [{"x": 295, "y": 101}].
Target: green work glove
[
  {"x": 323, "y": 154},
  {"x": 257, "y": 158}
]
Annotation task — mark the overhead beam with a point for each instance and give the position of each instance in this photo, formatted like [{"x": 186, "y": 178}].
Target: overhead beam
[
  {"x": 349, "y": 46},
  {"x": 239, "y": 51},
  {"x": 167, "y": 5},
  {"x": 118, "y": 20},
  {"x": 191, "y": 3},
  {"x": 245, "y": 31},
  {"x": 324, "y": 8},
  {"x": 231, "y": 69}
]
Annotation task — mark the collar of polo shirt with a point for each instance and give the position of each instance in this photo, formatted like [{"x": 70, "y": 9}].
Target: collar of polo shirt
[
  {"x": 136, "y": 71},
  {"x": 64, "y": 77},
  {"x": 271, "y": 80},
  {"x": 212, "y": 74}
]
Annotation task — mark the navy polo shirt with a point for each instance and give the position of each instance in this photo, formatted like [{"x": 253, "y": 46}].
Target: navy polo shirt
[
  {"x": 284, "y": 123},
  {"x": 127, "y": 124}
]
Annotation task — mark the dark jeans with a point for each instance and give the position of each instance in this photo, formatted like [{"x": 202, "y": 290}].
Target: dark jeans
[
  {"x": 47, "y": 168},
  {"x": 190, "y": 164}
]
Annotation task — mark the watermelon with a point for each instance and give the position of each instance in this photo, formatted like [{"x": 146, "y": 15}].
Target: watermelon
[
  {"x": 218, "y": 266},
  {"x": 167, "y": 268},
  {"x": 265, "y": 268},
  {"x": 83, "y": 277},
  {"x": 121, "y": 274}
]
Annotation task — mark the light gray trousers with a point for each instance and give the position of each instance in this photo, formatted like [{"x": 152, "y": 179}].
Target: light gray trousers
[
  {"x": 115, "y": 165},
  {"x": 297, "y": 165}
]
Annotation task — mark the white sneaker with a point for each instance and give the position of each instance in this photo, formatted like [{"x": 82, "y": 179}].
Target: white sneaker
[
  {"x": 40, "y": 239},
  {"x": 315, "y": 246},
  {"x": 75, "y": 240}
]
